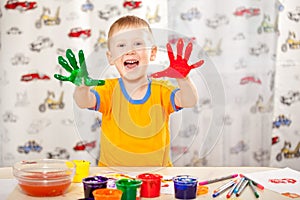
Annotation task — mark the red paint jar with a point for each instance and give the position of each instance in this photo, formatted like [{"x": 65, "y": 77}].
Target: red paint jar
[{"x": 151, "y": 185}]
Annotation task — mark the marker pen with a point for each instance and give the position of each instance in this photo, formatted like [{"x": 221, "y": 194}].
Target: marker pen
[
  {"x": 236, "y": 189},
  {"x": 223, "y": 189},
  {"x": 243, "y": 186}
]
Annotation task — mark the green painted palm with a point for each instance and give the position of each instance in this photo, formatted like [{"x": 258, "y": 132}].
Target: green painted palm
[{"x": 78, "y": 75}]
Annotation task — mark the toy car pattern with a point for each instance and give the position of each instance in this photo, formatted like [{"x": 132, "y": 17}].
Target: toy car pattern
[
  {"x": 88, "y": 6},
  {"x": 190, "y": 131},
  {"x": 239, "y": 36},
  {"x": 288, "y": 152},
  {"x": 178, "y": 150},
  {"x": 227, "y": 120},
  {"x": 281, "y": 120},
  {"x": 248, "y": 12},
  {"x": 109, "y": 12},
  {"x": 41, "y": 43},
  {"x": 131, "y": 4},
  {"x": 79, "y": 33},
  {"x": 261, "y": 155},
  {"x": 22, "y": 99},
  {"x": 59, "y": 153},
  {"x": 291, "y": 97},
  {"x": 217, "y": 21},
  {"x": 97, "y": 124},
  {"x": 241, "y": 146},
  {"x": 34, "y": 76},
  {"x": 291, "y": 42},
  {"x": 202, "y": 104},
  {"x": 14, "y": 31},
  {"x": 275, "y": 140},
  {"x": 19, "y": 58},
  {"x": 37, "y": 125},
  {"x": 250, "y": 79},
  {"x": 83, "y": 145},
  {"x": 9, "y": 116},
  {"x": 260, "y": 49},
  {"x": 20, "y": 5},
  {"x": 173, "y": 39},
  {"x": 294, "y": 15},
  {"x": 262, "y": 106},
  {"x": 192, "y": 13},
  {"x": 30, "y": 146}
]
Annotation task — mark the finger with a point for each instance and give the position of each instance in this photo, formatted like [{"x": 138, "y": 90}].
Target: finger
[
  {"x": 101, "y": 82},
  {"x": 92, "y": 82},
  {"x": 64, "y": 64},
  {"x": 170, "y": 52},
  {"x": 179, "y": 48},
  {"x": 61, "y": 78},
  {"x": 197, "y": 64},
  {"x": 188, "y": 51},
  {"x": 82, "y": 62},
  {"x": 72, "y": 60}
]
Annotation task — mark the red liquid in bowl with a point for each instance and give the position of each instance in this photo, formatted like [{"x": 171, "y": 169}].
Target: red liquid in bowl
[{"x": 45, "y": 184}]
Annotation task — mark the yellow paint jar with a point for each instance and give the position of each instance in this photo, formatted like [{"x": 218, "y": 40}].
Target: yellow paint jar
[{"x": 82, "y": 170}]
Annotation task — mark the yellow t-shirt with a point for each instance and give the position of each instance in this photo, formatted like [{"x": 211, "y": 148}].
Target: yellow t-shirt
[{"x": 135, "y": 132}]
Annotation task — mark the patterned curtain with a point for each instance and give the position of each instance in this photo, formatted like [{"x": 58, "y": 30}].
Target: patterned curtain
[{"x": 248, "y": 88}]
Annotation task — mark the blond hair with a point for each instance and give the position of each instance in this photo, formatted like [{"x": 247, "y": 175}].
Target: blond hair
[{"x": 128, "y": 22}]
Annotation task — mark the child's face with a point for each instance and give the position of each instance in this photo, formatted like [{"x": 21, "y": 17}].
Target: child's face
[{"x": 130, "y": 50}]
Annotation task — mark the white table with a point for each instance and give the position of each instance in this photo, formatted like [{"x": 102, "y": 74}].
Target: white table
[{"x": 203, "y": 173}]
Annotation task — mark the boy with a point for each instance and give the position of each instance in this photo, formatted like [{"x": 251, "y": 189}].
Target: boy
[{"x": 135, "y": 109}]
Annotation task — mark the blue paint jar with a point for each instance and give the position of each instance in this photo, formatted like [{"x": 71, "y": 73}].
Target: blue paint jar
[{"x": 185, "y": 187}]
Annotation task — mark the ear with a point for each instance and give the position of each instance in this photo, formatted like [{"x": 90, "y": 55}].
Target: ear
[
  {"x": 109, "y": 58},
  {"x": 153, "y": 53}
]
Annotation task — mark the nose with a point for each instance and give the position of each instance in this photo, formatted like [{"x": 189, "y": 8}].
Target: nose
[{"x": 130, "y": 52}]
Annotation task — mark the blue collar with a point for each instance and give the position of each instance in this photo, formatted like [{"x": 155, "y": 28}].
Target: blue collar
[{"x": 135, "y": 101}]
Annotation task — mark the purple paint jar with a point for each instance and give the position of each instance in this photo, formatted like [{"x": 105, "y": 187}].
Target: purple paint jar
[
  {"x": 92, "y": 183},
  {"x": 185, "y": 187}
]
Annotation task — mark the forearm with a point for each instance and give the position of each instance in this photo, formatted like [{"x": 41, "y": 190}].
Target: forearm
[
  {"x": 83, "y": 97},
  {"x": 187, "y": 95}
]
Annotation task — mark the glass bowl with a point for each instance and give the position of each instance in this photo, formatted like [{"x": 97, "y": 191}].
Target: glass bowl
[{"x": 45, "y": 177}]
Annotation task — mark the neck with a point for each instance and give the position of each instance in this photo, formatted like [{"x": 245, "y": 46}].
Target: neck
[{"x": 136, "y": 88}]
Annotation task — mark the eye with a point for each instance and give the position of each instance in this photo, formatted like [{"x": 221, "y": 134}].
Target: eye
[
  {"x": 138, "y": 43},
  {"x": 121, "y": 45}
]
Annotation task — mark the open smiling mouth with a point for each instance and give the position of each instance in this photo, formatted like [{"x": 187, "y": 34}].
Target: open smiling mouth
[{"x": 131, "y": 64}]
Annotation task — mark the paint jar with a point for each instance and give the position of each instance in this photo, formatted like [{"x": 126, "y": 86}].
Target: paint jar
[
  {"x": 82, "y": 170},
  {"x": 130, "y": 188},
  {"x": 92, "y": 183},
  {"x": 151, "y": 185},
  {"x": 107, "y": 194},
  {"x": 185, "y": 187}
]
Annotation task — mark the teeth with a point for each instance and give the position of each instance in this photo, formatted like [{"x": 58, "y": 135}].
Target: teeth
[{"x": 131, "y": 61}]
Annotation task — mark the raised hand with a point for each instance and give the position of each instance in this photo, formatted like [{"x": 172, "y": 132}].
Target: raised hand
[
  {"x": 179, "y": 67},
  {"x": 79, "y": 75}
]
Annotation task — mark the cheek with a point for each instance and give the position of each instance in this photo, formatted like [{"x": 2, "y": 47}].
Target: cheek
[
  {"x": 145, "y": 54},
  {"x": 116, "y": 54}
]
